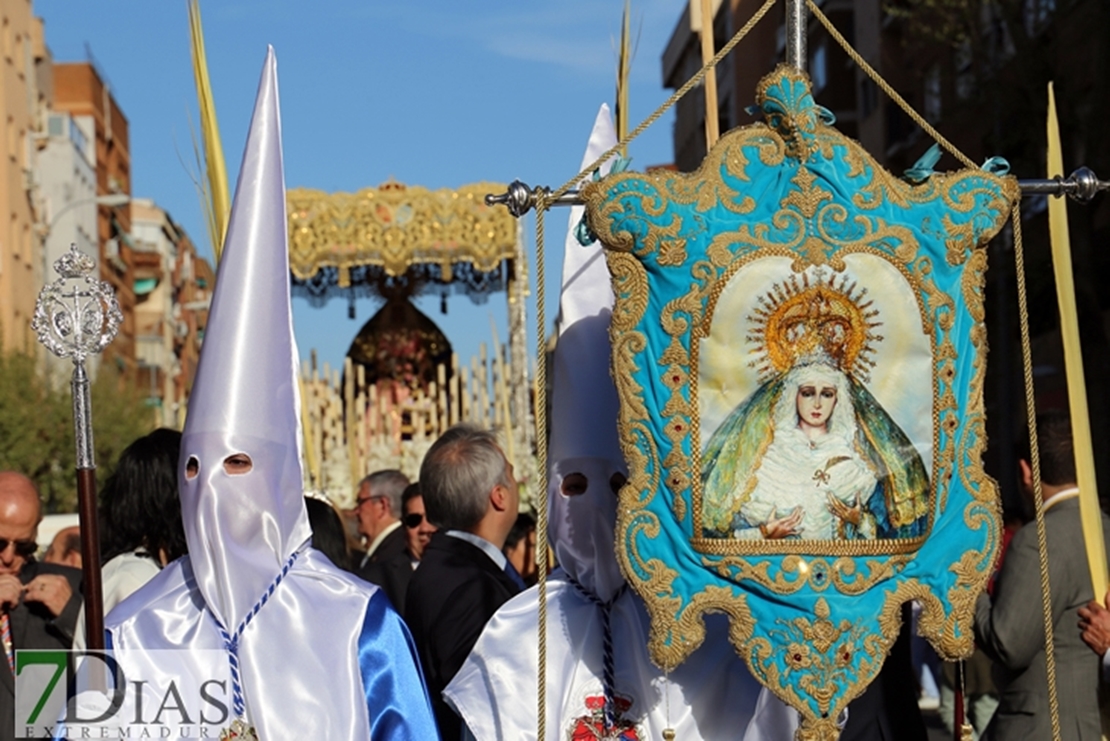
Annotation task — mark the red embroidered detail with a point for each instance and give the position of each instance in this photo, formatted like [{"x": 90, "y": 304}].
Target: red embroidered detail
[{"x": 591, "y": 727}]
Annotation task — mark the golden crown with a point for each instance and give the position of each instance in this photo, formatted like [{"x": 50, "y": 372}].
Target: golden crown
[{"x": 802, "y": 320}]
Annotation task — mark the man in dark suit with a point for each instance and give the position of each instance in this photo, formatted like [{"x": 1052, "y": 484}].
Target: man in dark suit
[
  {"x": 378, "y": 507},
  {"x": 391, "y": 569},
  {"x": 39, "y": 602},
  {"x": 471, "y": 495},
  {"x": 1010, "y": 626}
]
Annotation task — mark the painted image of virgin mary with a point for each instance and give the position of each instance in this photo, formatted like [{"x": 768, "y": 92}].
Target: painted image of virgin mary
[{"x": 811, "y": 454}]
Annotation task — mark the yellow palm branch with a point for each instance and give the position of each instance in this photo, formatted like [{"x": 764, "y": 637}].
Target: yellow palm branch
[
  {"x": 1073, "y": 361},
  {"x": 218, "y": 201}
]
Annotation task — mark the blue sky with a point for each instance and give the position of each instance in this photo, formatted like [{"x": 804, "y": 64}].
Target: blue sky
[{"x": 428, "y": 92}]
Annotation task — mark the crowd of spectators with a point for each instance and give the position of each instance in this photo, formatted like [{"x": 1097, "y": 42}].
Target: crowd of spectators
[{"x": 451, "y": 549}]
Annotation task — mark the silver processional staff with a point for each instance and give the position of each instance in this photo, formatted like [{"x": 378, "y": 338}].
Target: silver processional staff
[{"x": 76, "y": 316}]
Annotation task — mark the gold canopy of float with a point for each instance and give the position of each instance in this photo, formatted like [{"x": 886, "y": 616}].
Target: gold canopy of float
[{"x": 396, "y": 226}]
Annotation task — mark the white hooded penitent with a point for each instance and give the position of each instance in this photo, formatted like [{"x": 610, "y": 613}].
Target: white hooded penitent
[{"x": 298, "y": 642}]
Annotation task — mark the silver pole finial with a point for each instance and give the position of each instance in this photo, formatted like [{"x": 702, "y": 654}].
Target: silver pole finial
[
  {"x": 76, "y": 315},
  {"x": 796, "y": 22}
]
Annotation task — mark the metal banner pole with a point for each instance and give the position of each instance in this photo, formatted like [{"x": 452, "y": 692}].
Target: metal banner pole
[
  {"x": 77, "y": 316},
  {"x": 1081, "y": 186},
  {"x": 796, "y": 18}
]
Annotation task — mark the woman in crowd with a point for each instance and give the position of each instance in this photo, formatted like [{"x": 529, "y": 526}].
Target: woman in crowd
[
  {"x": 328, "y": 535},
  {"x": 140, "y": 519}
]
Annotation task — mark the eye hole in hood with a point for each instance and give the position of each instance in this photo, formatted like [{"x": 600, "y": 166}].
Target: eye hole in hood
[
  {"x": 574, "y": 484},
  {"x": 238, "y": 464}
]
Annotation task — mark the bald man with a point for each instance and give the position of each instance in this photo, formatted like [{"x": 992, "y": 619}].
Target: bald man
[
  {"x": 38, "y": 601},
  {"x": 65, "y": 549}
]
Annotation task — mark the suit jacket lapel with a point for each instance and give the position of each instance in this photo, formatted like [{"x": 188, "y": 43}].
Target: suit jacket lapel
[
  {"x": 19, "y": 626},
  {"x": 21, "y": 613}
]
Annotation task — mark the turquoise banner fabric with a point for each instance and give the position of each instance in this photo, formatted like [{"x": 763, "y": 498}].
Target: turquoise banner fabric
[{"x": 799, "y": 348}]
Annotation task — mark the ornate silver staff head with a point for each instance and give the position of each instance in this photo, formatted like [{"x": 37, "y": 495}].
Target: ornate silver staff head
[{"x": 76, "y": 315}]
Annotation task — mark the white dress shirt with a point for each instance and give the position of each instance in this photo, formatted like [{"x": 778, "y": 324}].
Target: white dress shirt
[{"x": 487, "y": 547}]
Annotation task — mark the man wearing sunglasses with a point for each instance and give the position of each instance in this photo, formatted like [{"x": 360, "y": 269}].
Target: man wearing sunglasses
[
  {"x": 419, "y": 528},
  {"x": 39, "y": 602},
  {"x": 390, "y": 568}
]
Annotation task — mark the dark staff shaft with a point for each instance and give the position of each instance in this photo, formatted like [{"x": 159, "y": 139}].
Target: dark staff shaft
[
  {"x": 90, "y": 558},
  {"x": 86, "y": 507}
]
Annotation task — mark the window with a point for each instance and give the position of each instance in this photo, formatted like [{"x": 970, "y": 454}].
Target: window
[
  {"x": 818, "y": 68},
  {"x": 1037, "y": 14},
  {"x": 77, "y": 137},
  {"x": 933, "y": 97},
  {"x": 965, "y": 76},
  {"x": 868, "y": 97},
  {"x": 900, "y": 130}
]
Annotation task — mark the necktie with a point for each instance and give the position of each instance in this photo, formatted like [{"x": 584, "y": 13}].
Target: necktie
[
  {"x": 513, "y": 574},
  {"x": 6, "y": 637}
]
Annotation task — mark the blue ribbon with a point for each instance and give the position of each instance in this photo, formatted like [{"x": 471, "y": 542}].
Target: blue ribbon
[{"x": 231, "y": 641}]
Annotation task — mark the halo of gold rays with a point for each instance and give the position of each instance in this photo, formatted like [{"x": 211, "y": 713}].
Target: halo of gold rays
[{"x": 804, "y": 319}]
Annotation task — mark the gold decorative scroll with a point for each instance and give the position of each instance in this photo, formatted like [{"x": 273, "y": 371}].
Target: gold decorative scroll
[{"x": 396, "y": 226}]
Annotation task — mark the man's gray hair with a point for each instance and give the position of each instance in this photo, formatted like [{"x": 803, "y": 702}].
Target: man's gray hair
[
  {"x": 458, "y": 474},
  {"x": 389, "y": 484}
]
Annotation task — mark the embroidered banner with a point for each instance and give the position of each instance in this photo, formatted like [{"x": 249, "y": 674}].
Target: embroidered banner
[{"x": 799, "y": 348}]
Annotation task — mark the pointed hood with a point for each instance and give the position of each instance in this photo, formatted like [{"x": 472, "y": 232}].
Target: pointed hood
[
  {"x": 584, "y": 408},
  {"x": 241, "y": 528}
]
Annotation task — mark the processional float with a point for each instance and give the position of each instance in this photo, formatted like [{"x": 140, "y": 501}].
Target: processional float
[
  {"x": 395, "y": 242},
  {"x": 799, "y": 350}
]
